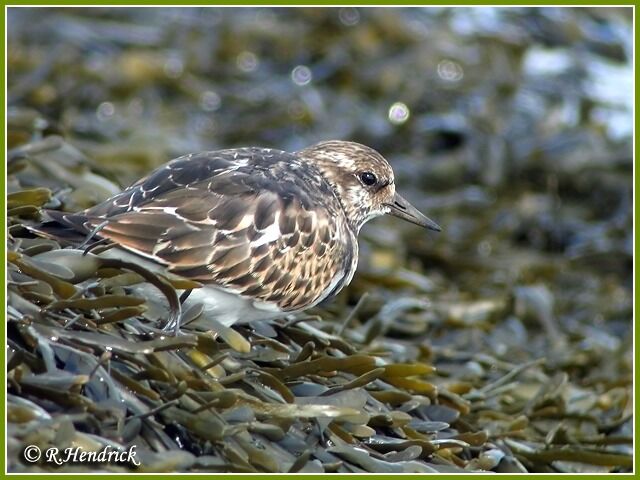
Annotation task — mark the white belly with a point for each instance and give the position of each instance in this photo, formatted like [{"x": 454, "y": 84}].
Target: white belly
[{"x": 220, "y": 304}]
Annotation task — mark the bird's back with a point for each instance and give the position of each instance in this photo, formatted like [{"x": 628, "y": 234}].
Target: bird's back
[{"x": 258, "y": 222}]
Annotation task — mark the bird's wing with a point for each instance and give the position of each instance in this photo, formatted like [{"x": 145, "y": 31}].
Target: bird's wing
[{"x": 265, "y": 232}]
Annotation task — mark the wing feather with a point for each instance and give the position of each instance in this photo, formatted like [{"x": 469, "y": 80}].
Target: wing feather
[{"x": 247, "y": 222}]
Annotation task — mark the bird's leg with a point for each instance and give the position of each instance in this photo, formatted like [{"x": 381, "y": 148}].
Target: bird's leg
[
  {"x": 157, "y": 281},
  {"x": 352, "y": 314},
  {"x": 91, "y": 234},
  {"x": 95, "y": 245},
  {"x": 185, "y": 295}
]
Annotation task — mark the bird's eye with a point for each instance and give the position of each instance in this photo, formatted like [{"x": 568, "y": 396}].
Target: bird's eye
[{"x": 368, "y": 178}]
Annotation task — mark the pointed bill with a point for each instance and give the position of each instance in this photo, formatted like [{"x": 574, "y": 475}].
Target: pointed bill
[{"x": 402, "y": 209}]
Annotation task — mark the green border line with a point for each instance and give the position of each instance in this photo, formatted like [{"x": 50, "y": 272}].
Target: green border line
[{"x": 3, "y": 251}]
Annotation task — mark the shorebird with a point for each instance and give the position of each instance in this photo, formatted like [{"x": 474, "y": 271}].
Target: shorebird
[{"x": 266, "y": 232}]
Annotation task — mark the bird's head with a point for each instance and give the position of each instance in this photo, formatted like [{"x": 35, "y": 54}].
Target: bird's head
[{"x": 364, "y": 182}]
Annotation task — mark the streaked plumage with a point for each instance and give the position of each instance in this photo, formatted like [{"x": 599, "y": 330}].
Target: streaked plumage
[{"x": 276, "y": 230}]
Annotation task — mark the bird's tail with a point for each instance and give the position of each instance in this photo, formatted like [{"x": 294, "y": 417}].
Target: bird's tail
[{"x": 66, "y": 228}]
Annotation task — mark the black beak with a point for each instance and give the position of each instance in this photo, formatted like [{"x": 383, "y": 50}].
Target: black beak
[{"x": 403, "y": 209}]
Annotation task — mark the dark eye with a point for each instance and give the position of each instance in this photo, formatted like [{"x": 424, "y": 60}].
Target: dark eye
[{"x": 368, "y": 178}]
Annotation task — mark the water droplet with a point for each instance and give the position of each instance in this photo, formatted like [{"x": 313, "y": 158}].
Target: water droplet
[
  {"x": 349, "y": 16},
  {"x": 247, "y": 61},
  {"x": 301, "y": 75},
  {"x": 398, "y": 113},
  {"x": 105, "y": 110},
  {"x": 450, "y": 71},
  {"x": 484, "y": 248},
  {"x": 173, "y": 67},
  {"x": 210, "y": 101}
]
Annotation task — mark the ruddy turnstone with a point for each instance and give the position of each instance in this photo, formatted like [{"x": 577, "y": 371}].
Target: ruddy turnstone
[{"x": 265, "y": 231}]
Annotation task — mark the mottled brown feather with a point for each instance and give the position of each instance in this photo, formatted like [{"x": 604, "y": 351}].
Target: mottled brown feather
[{"x": 210, "y": 217}]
